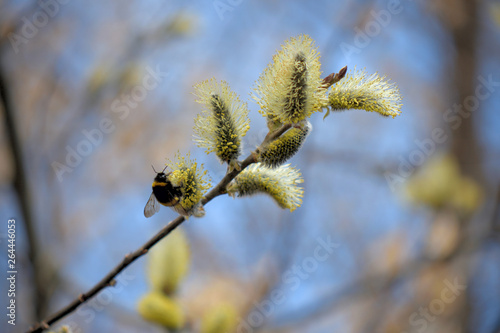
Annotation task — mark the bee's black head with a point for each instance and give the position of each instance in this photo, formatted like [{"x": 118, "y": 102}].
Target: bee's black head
[{"x": 161, "y": 177}]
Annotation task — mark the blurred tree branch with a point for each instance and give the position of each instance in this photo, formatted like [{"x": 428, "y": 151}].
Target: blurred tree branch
[
  {"x": 382, "y": 282},
  {"x": 464, "y": 35},
  {"x": 22, "y": 189},
  {"x": 465, "y": 145}
]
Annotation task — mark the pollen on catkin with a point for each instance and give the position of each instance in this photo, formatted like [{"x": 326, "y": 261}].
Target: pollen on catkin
[
  {"x": 290, "y": 87},
  {"x": 223, "y": 122},
  {"x": 372, "y": 93},
  {"x": 283, "y": 148},
  {"x": 273, "y": 123},
  {"x": 279, "y": 183},
  {"x": 191, "y": 178}
]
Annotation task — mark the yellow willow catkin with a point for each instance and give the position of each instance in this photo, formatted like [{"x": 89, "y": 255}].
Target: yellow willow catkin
[
  {"x": 273, "y": 123},
  {"x": 289, "y": 89},
  {"x": 220, "y": 318},
  {"x": 161, "y": 309},
  {"x": 279, "y": 183},
  {"x": 283, "y": 148},
  {"x": 223, "y": 122},
  {"x": 191, "y": 179},
  {"x": 371, "y": 93},
  {"x": 168, "y": 263}
]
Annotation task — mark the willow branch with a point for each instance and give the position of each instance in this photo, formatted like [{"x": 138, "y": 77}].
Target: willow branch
[
  {"x": 109, "y": 279},
  {"x": 276, "y": 134}
]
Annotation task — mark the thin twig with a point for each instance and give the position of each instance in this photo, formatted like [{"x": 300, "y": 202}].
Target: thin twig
[
  {"x": 276, "y": 134},
  {"x": 108, "y": 280}
]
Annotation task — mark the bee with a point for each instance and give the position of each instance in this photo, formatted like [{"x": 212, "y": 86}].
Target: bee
[{"x": 164, "y": 192}]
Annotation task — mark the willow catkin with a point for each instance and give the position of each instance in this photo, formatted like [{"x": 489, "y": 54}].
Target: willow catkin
[
  {"x": 289, "y": 89},
  {"x": 223, "y": 123},
  {"x": 280, "y": 183},
  {"x": 283, "y": 148}
]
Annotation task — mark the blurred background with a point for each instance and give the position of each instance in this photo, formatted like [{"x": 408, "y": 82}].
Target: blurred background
[{"x": 399, "y": 230}]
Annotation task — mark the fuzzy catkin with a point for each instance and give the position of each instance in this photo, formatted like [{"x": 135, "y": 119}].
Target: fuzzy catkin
[
  {"x": 223, "y": 122},
  {"x": 190, "y": 178},
  {"x": 228, "y": 142},
  {"x": 371, "y": 93},
  {"x": 285, "y": 147},
  {"x": 290, "y": 87},
  {"x": 295, "y": 101},
  {"x": 280, "y": 183}
]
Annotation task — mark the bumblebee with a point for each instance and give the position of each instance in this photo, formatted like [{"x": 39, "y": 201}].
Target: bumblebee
[{"x": 164, "y": 192}]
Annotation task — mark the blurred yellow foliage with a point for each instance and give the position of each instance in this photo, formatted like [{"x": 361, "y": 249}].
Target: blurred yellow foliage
[
  {"x": 214, "y": 292},
  {"x": 161, "y": 309},
  {"x": 222, "y": 318},
  {"x": 168, "y": 262},
  {"x": 467, "y": 196},
  {"x": 439, "y": 183},
  {"x": 130, "y": 76},
  {"x": 181, "y": 24},
  {"x": 98, "y": 79}
]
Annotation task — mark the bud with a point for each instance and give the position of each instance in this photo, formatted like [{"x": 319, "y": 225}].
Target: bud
[
  {"x": 162, "y": 310},
  {"x": 168, "y": 262},
  {"x": 284, "y": 147},
  {"x": 191, "y": 179},
  {"x": 223, "y": 123},
  {"x": 358, "y": 90},
  {"x": 280, "y": 184},
  {"x": 290, "y": 87}
]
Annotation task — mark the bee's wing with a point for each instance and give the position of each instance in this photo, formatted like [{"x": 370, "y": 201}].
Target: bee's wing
[{"x": 152, "y": 207}]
